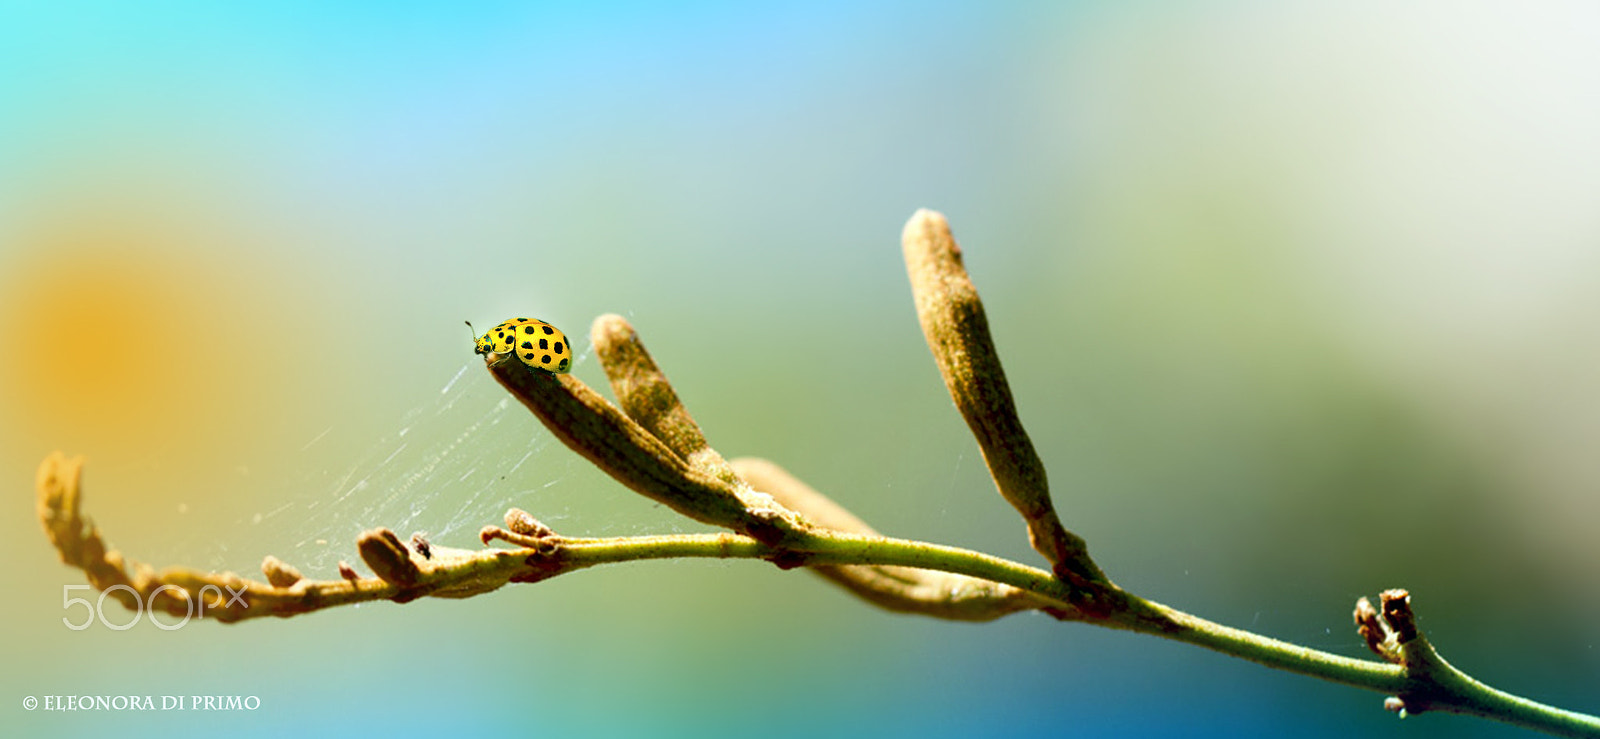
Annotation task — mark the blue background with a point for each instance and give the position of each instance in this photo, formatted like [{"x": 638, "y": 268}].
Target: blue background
[{"x": 1298, "y": 302}]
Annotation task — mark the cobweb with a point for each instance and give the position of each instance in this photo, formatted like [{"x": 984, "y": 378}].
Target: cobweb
[{"x": 453, "y": 464}]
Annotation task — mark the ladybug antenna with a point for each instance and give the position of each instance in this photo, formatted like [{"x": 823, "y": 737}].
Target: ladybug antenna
[{"x": 473, "y": 331}]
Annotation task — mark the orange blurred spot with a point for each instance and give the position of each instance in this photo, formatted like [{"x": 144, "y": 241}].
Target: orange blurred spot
[{"x": 107, "y": 336}]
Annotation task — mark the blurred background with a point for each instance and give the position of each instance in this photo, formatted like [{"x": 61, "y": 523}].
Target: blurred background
[{"x": 1299, "y": 302}]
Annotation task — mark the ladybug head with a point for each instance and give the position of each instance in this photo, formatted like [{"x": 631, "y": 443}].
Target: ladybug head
[{"x": 483, "y": 341}]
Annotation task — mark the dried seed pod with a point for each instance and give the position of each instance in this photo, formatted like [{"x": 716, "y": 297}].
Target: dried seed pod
[
  {"x": 593, "y": 427},
  {"x": 957, "y": 330},
  {"x": 647, "y": 397}
]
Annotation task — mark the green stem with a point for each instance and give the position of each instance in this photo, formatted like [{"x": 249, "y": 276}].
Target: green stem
[
  {"x": 1441, "y": 688},
  {"x": 1269, "y": 652},
  {"x": 825, "y": 548}
]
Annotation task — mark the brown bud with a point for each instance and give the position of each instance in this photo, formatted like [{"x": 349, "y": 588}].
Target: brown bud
[
  {"x": 388, "y": 558},
  {"x": 1397, "y": 612},
  {"x": 524, "y": 523},
  {"x": 1370, "y": 628},
  {"x": 280, "y": 573}
]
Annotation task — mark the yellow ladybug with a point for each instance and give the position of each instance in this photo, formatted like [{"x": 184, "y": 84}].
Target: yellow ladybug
[{"x": 537, "y": 344}]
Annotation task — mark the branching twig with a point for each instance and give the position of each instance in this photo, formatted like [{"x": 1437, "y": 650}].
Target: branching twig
[
  {"x": 904, "y": 589},
  {"x": 653, "y": 446}
]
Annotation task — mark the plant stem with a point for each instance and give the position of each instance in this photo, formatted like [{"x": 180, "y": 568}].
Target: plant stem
[
  {"x": 1442, "y": 688},
  {"x": 1445, "y": 689},
  {"x": 1421, "y": 681},
  {"x": 1266, "y": 651}
]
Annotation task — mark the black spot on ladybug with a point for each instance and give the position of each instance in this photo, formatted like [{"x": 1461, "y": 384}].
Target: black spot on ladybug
[
  {"x": 544, "y": 344},
  {"x": 527, "y": 345},
  {"x": 545, "y": 359},
  {"x": 548, "y": 329},
  {"x": 558, "y": 347},
  {"x": 528, "y": 356},
  {"x": 527, "y": 329},
  {"x": 564, "y": 365}
]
